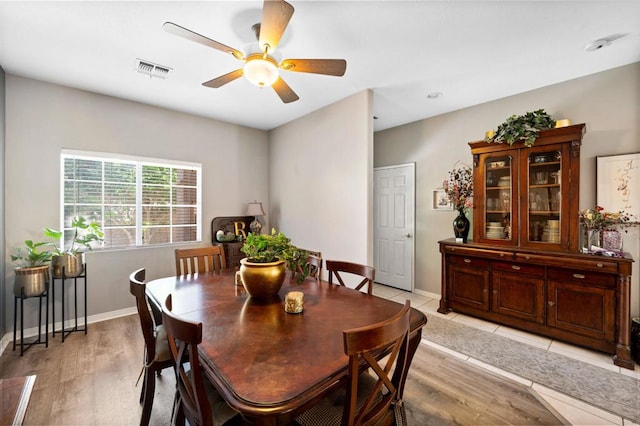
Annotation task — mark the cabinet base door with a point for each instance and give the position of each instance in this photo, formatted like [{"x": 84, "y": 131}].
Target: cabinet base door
[
  {"x": 589, "y": 311},
  {"x": 469, "y": 287},
  {"x": 518, "y": 296}
]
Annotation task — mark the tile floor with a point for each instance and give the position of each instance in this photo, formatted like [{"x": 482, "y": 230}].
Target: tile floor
[{"x": 574, "y": 411}]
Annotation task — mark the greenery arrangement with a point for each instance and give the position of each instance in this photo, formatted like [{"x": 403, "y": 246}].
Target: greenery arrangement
[
  {"x": 459, "y": 187},
  {"x": 522, "y": 127},
  {"x": 264, "y": 248},
  {"x": 84, "y": 233},
  {"x": 30, "y": 255}
]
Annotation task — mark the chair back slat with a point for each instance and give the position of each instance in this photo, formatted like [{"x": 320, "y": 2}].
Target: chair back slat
[
  {"x": 364, "y": 345},
  {"x": 338, "y": 268},
  {"x": 199, "y": 260},
  {"x": 314, "y": 263},
  {"x": 137, "y": 287},
  {"x": 184, "y": 337}
]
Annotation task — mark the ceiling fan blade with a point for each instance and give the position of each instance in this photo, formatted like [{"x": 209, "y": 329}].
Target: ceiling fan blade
[
  {"x": 223, "y": 79},
  {"x": 198, "y": 38},
  {"x": 275, "y": 17},
  {"x": 336, "y": 67},
  {"x": 284, "y": 91}
]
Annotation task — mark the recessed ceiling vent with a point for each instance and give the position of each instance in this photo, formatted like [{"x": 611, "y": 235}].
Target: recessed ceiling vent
[{"x": 151, "y": 69}]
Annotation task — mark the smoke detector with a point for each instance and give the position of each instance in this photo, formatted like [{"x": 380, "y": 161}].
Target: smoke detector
[{"x": 151, "y": 69}]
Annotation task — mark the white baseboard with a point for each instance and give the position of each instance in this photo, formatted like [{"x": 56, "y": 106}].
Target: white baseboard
[{"x": 7, "y": 339}]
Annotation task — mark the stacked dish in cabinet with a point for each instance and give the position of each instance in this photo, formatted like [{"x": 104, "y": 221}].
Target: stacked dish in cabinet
[{"x": 495, "y": 230}]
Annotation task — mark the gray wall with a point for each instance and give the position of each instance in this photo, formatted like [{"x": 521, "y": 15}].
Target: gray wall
[
  {"x": 609, "y": 104},
  {"x": 317, "y": 173},
  {"x": 43, "y": 118},
  {"x": 321, "y": 169},
  {"x": 3, "y": 322}
]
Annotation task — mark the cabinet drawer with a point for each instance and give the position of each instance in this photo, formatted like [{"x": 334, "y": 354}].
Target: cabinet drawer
[
  {"x": 487, "y": 254},
  {"x": 521, "y": 268},
  {"x": 597, "y": 264},
  {"x": 582, "y": 277},
  {"x": 470, "y": 261}
]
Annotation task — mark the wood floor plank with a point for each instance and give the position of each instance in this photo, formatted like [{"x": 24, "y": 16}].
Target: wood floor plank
[
  {"x": 91, "y": 380},
  {"x": 443, "y": 390}
]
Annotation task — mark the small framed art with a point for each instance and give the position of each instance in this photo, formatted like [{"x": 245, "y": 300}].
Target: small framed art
[
  {"x": 618, "y": 183},
  {"x": 440, "y": 200}
]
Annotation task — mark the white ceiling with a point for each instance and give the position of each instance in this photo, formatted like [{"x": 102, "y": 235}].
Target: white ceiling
[{"x": 471, "y": 51}]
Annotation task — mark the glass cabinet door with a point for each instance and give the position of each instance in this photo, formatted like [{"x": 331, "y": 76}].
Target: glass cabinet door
[
  {"x": 544, "y": 196},
  {"x": 528, "y": 196},
  {"x": 499, "y": 198}
]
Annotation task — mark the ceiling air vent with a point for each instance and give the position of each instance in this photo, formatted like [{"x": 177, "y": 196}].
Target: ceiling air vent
[{"x": 151, "y": 69}]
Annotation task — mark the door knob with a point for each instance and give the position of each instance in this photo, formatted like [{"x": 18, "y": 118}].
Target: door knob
[{"x": 408, "y": 235}]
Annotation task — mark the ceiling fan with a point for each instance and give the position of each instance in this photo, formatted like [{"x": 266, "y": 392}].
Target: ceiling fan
[{"x": 261, "y": 66}]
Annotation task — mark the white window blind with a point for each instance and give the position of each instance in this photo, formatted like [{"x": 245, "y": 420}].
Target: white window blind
[{"x": 138, "y": 201}]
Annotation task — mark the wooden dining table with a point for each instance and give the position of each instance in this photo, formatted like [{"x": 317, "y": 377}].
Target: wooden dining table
[{"x": 268, "y": 364}]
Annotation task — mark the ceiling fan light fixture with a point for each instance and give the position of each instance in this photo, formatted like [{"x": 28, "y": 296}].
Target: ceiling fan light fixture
[{"x": 261, "y": 70}]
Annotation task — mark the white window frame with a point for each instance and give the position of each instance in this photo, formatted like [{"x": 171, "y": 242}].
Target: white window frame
[{"x": 139, "y": 162}]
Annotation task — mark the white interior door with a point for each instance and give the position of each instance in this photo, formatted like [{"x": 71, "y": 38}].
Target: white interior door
[{"x": 394, "y": 222}]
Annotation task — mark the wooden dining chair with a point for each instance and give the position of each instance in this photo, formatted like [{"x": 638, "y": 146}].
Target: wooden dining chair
[
  {"x": 373, "y": 392},
  {"x": 156, "y": 350},
  {"x": 198, "y": 401},
  {"x": 202, "y": 259},
  {"x": 314, "y": 263},
  {"x": 337, "y": 268}
]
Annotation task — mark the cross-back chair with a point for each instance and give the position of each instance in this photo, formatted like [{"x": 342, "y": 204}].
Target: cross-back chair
[
  {"x": 373, "y": 393},
  {"x": 198, "y": 401},
  {"x": 156, "y": 350},
  {"x": 198, "y": 260},
  {"x": 314, "y": 263},
  {"x": 338, "y": 268}
]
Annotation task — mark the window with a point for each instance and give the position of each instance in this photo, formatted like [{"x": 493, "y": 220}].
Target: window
[{"x": 139, "y": 201}]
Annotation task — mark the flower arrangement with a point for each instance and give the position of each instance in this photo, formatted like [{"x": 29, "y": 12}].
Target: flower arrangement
[
  {"x": 459, "y": 187},
  {"x": 597, "y": 219}
]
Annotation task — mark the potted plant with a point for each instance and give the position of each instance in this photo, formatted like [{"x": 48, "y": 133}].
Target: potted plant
[
  {"x": 522, "y": 127},
  {"x": 268, "y": 257},
  {"x": 71, "y": 259},
  {"x": 32, "y": 270}
]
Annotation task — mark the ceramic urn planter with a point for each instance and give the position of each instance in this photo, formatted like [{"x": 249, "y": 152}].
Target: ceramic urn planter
[{"x": 262, "y": 280}]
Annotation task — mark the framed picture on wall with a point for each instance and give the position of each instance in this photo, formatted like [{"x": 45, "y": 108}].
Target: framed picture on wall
[
  {"x": 618, "y": 183},
  {"x": 440, "y": 200}
]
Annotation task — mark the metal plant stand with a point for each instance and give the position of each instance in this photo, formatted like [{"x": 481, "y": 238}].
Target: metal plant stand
[
  {"x": 36, "y": 341},
  {"x": 64, "y": 331}
]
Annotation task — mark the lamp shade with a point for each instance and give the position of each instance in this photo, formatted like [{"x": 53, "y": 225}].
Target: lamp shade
[{"x": 255, "y": 209}]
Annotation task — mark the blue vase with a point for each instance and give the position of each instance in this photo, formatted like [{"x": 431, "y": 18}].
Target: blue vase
[{"x": 461, "y": 226}]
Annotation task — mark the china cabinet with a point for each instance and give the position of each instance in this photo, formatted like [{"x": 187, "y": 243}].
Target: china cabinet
[
  {"x": 524, "y": 268},
  {"x": 528, "y": 196}
]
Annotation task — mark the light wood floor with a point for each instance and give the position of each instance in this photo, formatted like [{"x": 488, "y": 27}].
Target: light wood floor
[{"x": 90, "y": 380}]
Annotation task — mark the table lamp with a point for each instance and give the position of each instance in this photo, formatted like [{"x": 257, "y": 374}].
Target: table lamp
[{"x": 255, "y": 209}]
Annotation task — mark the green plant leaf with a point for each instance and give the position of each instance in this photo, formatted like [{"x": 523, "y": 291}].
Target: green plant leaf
[{"x": 525, "y": 127}]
